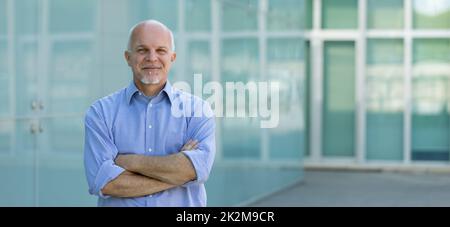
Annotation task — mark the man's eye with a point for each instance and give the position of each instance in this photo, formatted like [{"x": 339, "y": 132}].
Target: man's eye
[
  {"x": 141, "y": 50},
  {"x": 162, "y": 51}
]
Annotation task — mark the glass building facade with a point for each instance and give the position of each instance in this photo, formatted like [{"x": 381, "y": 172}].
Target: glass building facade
[
  {"x": 362, "y": 83},
  {"x": 59, "y": 56},
  {"x": 379, "y": 91}
]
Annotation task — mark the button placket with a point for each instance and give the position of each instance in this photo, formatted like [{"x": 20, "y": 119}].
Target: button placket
[{"x": 149, "y": 106}]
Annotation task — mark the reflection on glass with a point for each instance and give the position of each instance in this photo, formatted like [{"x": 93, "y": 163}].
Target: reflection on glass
[
  {"x": 385, "y": 14},
  {"x": 26, "y": 75},
  {"x": 3, "y": 18},
  {"x": 70, "y": 74},
  {"x": 342, "y": 14},
  {"x": 72, "y": 16},
  {"x": 240, "y": 64},
  {"x": 63, "y": 135},
  {"x": 307, "y": 96},
  {"x": 60, "y": 164},
  {"x": 17, "y": 164},
  {"x": 430, "y": 90},
  {"x": 308, "y": 14},
  {"x": 285, "y": 61},
  {"x": 338, "y": 117},
  {"x": 6, "y": 137},
  {"x": 197, "y": 15},
  {"x": 385, "y": 106},
  {"x": 285, "y": 15},
  {"x": 239, "y": 15},
  {"x": 198, "y": 61},
  {"x": 4, "y": 80},
  {"x": 433, "y": 14},
  {"x": 161, "y": 10},
  {"x": 230, "y": 186},
  {"x": 26, "y": 17}
]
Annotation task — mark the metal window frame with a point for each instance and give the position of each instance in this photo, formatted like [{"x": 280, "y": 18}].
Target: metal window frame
[{"x": 317, "y": 36}]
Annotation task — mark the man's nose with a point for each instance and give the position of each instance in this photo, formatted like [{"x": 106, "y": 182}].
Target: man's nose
[{"x": 151, "y": 56}]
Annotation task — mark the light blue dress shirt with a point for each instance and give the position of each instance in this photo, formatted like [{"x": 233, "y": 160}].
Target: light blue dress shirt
[{"x": 128, "y": 122}]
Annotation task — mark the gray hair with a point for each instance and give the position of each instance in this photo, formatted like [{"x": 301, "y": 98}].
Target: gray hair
[{"x": 130, "y": 33}]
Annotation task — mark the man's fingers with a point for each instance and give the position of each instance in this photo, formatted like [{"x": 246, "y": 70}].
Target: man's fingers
[
  {"x": 186, "y": 146},
  {"x": 190, "y": 145}
]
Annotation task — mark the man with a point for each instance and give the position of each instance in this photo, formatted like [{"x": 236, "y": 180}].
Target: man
[{"x": 137, "y": 152}]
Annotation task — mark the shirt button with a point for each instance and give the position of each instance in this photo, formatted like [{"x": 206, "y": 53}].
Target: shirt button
[
  {"x": 149, "y": 126},
  {"x": 140, "y": 93},
  {"x": 150, "y": 150},
  {"x": 151, "y": 105}
]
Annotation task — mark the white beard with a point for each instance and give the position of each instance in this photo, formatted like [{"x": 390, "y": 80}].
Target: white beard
[
  {"x": 150, "y": 81},
  {"x": 147, "y": 80}
]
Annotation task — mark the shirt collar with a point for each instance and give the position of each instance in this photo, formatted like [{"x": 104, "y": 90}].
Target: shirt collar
[
  {"x": 132, "y": 89},
  {"x": 169, "y": 91}
]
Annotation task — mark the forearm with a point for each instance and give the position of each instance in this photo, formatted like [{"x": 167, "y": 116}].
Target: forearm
[
  {"x": 173, "y": 169},
  {"x": 130, "y": 184}
]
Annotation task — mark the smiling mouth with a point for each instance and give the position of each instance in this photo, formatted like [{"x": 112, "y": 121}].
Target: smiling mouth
[{"x": 151, "y": 68}]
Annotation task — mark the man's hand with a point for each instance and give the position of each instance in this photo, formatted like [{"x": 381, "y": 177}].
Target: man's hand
[{"x": 190, "y": 145}]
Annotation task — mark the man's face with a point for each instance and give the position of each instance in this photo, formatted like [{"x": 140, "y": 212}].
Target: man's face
[{"x": 150, "y": 56}]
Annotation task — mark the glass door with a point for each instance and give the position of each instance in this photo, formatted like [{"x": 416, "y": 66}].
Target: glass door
[
  {"x": 47, "y": 81},
  {"x": 19, "y": 66},
  {"x": 67, "y": 84},
  {"x": 338, "y": 117}
]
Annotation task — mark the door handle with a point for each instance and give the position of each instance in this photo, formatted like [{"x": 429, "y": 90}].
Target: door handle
[
  {"x": 36, "y": 127},
  {"x": 41, "y": 105},
  {"x": 34, "y": 104},
  {"x": 37, "y": 104}
]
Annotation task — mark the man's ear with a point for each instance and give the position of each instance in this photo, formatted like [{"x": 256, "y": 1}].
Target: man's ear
[
  {"x": 126, "y": 54},
  {"x": 173, "y": 57}
]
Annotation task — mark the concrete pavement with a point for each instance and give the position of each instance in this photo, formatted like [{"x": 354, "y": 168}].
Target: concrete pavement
[{"x": 364, "y": 188}]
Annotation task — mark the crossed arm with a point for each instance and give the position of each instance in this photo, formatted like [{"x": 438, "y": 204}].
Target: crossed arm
[{"x": 145, "y": 175}]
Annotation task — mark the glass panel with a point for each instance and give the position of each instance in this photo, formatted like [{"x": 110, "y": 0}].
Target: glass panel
[
  {"x": 240, "y": 64},
  {"x": 198, "y": 61},
  {"x": 5, "y": 78},
  {"x": 71, "y": 75},
  {"x": 338, "y": 119},
  {"x": 162, "y": 10},
  {"x": 26, "y": 75},
  {"x": 72, "y": 16},
  {"x": 385, "y": 14},
  {"x": 285, "y": 15},
  {"x": 431, "y": 14},
  {"x": 239, "y": 15},
  {"x": 114, "y": 71},
  {"x": 430, "y": 108},
  {"x": 286, "y": 65},
  {"x": 197, "y": 15},
  {"x": 309, "y": 14},
  {"x": 229, "y": 186},
  {"x": 6, "y": 130},
  {"x": 342, "y": 14},
  {"x": 3, "y": 18},
  {"x": 385, "y": 106},
  {"x": 17, "y": 147},
  {"x": 307, "y": 106},
  {"x": 60, "y": 165},
  {"x": 26, "y": 16}
]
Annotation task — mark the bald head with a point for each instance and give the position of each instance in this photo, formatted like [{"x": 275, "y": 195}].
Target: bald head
[{"x": 149, "y": 24}]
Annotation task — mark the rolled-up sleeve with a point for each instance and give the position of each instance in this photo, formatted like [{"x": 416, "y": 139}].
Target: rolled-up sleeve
[
  {"x": 99, "y": 152},
  {"x": 202, "y": 129}
]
